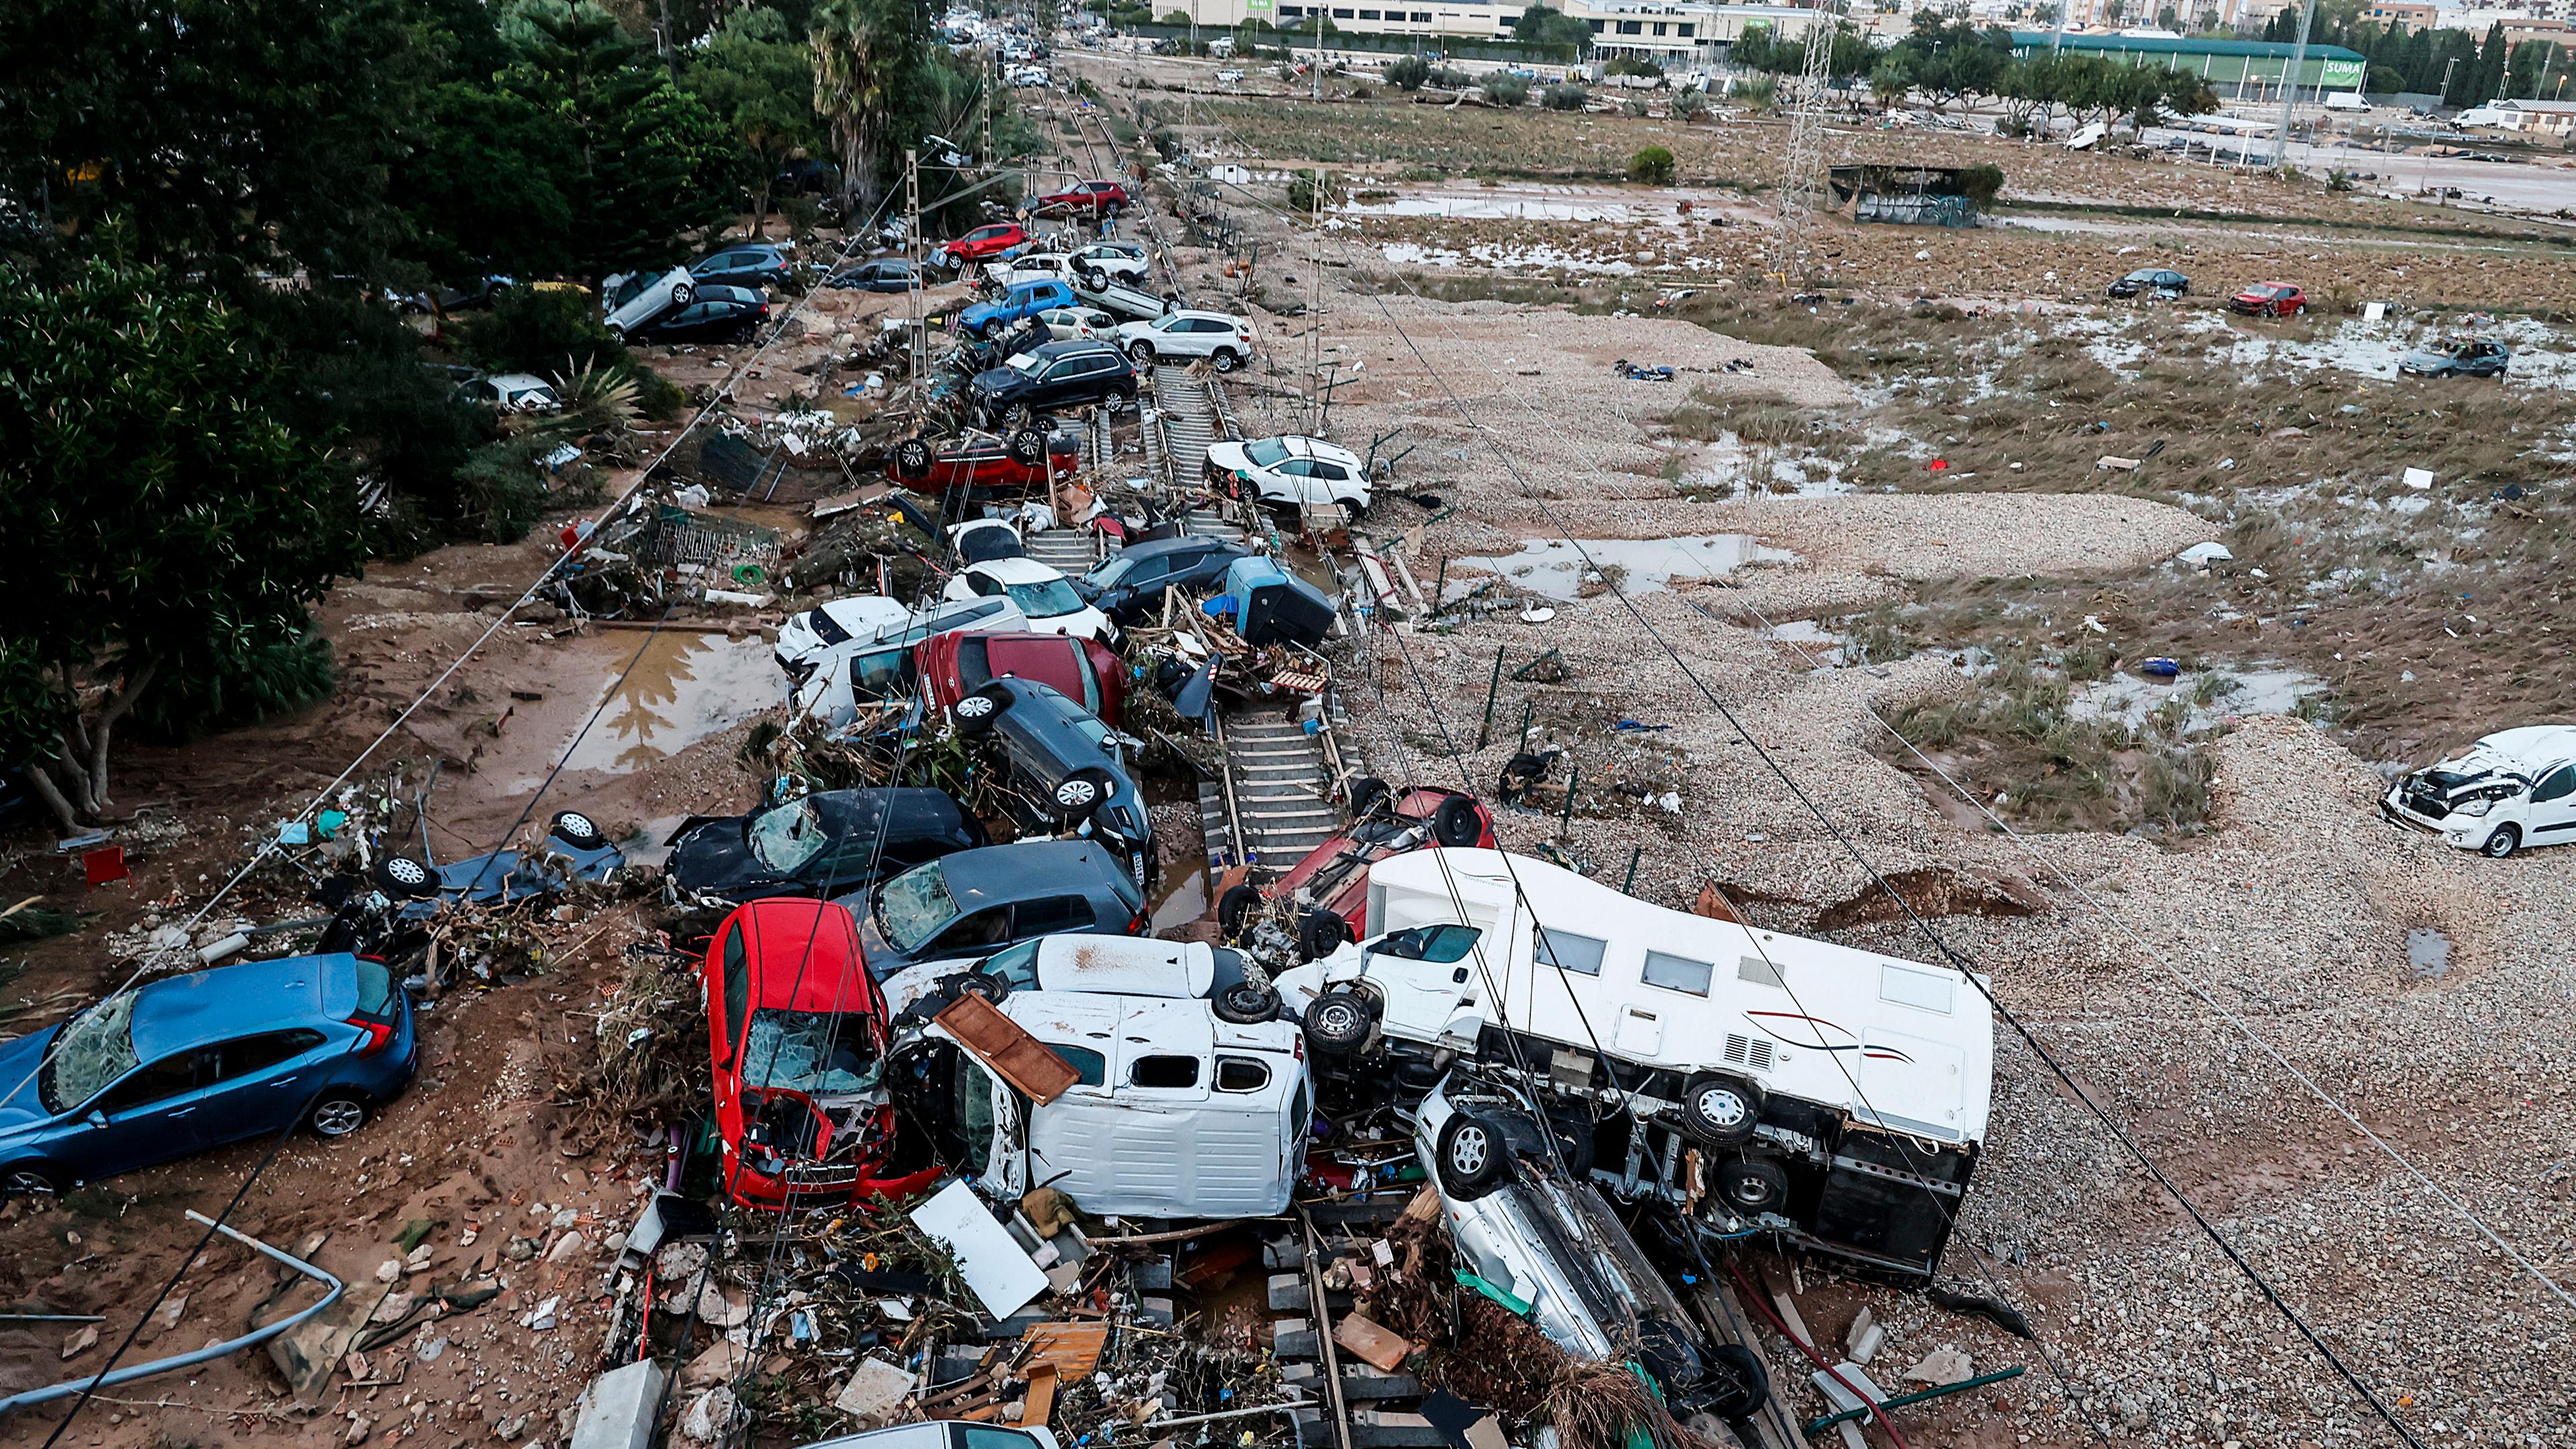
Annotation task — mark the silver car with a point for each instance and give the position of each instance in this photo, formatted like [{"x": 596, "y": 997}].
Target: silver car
[{"x": 635, "y": 298}]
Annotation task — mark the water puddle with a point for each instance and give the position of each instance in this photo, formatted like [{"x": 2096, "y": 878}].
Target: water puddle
[
  {"x": 684, "y": 687},
  {"x": 1729, "y": 466},
  {"x": 1553, "y": 567},
  {"x": 2428, "y": 951},
  {"x": 1182, "y": 897},
  {"x": 2207, "y": 696}
]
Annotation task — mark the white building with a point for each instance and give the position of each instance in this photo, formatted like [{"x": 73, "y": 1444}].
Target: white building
[{"x": 1672, "y": 33}]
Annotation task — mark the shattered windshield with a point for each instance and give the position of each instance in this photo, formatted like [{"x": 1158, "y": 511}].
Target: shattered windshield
[
  {"x": 915, "y": 904},
  {"x": 810, "y": 1051},
  {"x": 1265, "y": 452},
  {"x": 788, "y": 836},
  {"x": 95, "y": 1049},
  {"x": 1107, "y": 575},
  {"x": 1021, "y": 363}
]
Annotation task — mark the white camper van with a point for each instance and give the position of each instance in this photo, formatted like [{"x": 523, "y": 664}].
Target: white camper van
[{"x": 1833, "y": 1091}]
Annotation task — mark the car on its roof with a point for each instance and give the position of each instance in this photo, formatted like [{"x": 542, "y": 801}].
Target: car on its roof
[
  {"x": 1104, "y": 965},
  {"x": 2458, "y": 357},
  {"x": 1327, "y": 892},
  {"x": 1045, "y": 596},
  {"x": 1129, "y": 585},
  {"x": 1067, "y": 770},
  {"x": 1102, "y": 261},
  {"x": 824, "y": 844},
  {"x": 981, "y": 465},
  {"x": 2269, "y": 299},
  {"x": 798, "y": 1035},
  {"x": 977, "y": 902},
  {"x": 2161, "y": 283},
  {"x": 1289, "y": 472},
  {"x": 1085, "y": 671},
  {"x": 1099, "y": 198},
  {"x": 188, "y": 1063}
]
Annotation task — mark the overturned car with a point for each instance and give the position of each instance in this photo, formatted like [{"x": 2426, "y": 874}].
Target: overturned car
[{"x": 1759, "y": 1080}]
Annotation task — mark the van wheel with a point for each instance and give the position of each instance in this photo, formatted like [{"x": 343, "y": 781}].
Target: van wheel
[
  {"x": 1234, "y": 908},
  {"x": 338, "y": 1115},
  {"x": 404, "y": 878},
  {"x": 1474, "y": 1157},
  {"x": 976, "y": 712},
  {"x": 1078, "y": 795},
  {"x": 1721, "y": 1111},
  {"x": 1320, "y": 933},
  {"x": 2505, "y": 841},
  {"x": 1337, "y": 1023},
  {"x": 1244, "y": 1003},
  {"x": 1754, "y": 1184},
  {"x": 1368, "y": 796},
  {"x": 1225, "y": 360},
  {"x": 1458, "y": 823},
  {"x": 577, "y": 830}
]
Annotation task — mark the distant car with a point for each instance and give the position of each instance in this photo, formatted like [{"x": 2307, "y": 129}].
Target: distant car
[
  {"x": 977, "y": 902},
  {"x": 2269, "y": 299},
  {"x": 886, "y": 274},
  {"x": 1224, "y": 339},
  {"x": 1290, "y": 471},
  {"x": 753, "y": 265},
  {"x": 517, "y": 392},
  {"x": 466, "y": 298},
  {"x": 1018, "y": 303},
  {"x": 982, "y": 465},
  {"x": 1099, "y": 198},
  {"x": 2162, "y": 283},
  {"x": 1229, "y": 77},
  {"x": 2458, "y": 357},
  {"x": 188, "y": 1063},
  {"x": 1027, "y": 75},
  {"x": 718, "y": 313},
  {"x": 828, "y": 843},
  {"x": 632, "y": 299},
  {"x": 1330, "y": 886},
  {"x": 1071, "y": 324},
  {"x": 1047, "y": 598},
  {"x": 798, "y": 1035},
  {"x": 1026, "y": 267},
  {"x": 982, "y": 244},
  {"x": 1066, "y": 768},
  {"x": 1055, "y": 376},
  {"x": 2509, "y": 791},
  {"x": 1129, "y": 587},
  {"x": 1111, "y": 261},
  {"x": 1089, "y": 673}
]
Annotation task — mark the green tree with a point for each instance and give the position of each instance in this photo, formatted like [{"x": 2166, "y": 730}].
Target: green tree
[
  {"x": 1505, "y": 89},
  {"x": 1652, "y": 165},
  {"x": 1408, "y": 72},
  {"x": 756, "y": 73},
  {"x": 165, "y": 525},
  {"x": 1543, "y": 25}
]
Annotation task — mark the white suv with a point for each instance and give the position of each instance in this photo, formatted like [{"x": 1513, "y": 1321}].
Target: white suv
[
  {"x": 1221, "y": 337},
  {"x": 635, "y": 298},
  {"x": 1291, "y": 472}
]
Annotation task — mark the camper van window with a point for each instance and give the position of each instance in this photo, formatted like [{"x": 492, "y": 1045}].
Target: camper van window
[
  {"x": 1166, "y": 1073},
  {"x": 1438, "y": 945},
  {"x": 1678, "y": 973},
  {"x": 974, "y": 1102},
  {"x": 1241, "y": 1074},
  {"x": 978, "y": 1436},
  {"x": 1919, "y": 989},
  {"x": 1091, "y": 1069},
  {"x": 1578, "y": 954}
]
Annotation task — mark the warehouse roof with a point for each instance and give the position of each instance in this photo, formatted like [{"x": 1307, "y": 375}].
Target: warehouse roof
[{"x": 2154, "y": 45}]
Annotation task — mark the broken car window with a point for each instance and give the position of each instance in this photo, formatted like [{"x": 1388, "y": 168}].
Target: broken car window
[
  {"x": 1090, "y": 1068},
  {"x": 1241, "y": 1074},
  {"x": 94, "y": 1050},
  {"x": 915, "y": 904},
  {"x": 788, "y": 836},
  {"x": 1165, "y": 1073},
  {"x": 813, "y": 1052}
]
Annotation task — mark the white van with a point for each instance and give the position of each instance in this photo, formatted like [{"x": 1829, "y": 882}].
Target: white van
[
  {"x": 2346, "y": 101},
  {"x": 1834, "y": 1092},
  {"x": 1175, "y": 1112},
  {"x": 2512, "y": 789}
]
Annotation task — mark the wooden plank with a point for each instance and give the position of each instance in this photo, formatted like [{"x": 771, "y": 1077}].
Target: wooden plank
[
  {"x": 1041, "y": 1400},
  {"x": 1067, "y": 1350},
  {"x": 1028, "y": 1064}
]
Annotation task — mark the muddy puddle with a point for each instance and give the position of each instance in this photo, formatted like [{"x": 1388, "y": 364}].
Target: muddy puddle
[
  {"x": 2542, "y": 356},
  {"x": 2428, "y": 953},
  {"x": 1554, "y": 568},
  {"x": 683, "y": 688},
  {"x": 2207, "y": 696},
  {"x": 1181, "y": 896}
]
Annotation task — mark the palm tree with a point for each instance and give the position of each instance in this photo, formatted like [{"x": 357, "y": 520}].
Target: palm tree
[{"x": 863, "y": 52}]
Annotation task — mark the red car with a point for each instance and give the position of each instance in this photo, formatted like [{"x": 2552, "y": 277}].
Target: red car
[
  {"x": 2269, "y": 299},
  {"x": 984, "y": 463},
  {"x": 982, "y": 244},
  {"x": 1088, "y": 672},
  {"x": 1100, "y": 198},
  {"x": 1329, "y": 888},
  {"x": 799, "y": 1035}
]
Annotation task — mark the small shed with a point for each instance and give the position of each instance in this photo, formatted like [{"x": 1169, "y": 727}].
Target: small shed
[{"x": 1906, "y": 195}]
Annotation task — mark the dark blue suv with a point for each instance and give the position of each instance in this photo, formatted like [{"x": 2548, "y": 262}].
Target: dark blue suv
[{"x": 197, "y": 1061}]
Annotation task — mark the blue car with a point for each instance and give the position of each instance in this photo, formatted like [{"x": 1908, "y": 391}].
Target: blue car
[
  {"x": 197, "y": 1061},
  {"x": 1023, "y": 301}
]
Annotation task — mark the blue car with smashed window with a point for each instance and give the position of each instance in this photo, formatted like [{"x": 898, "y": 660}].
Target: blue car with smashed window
[{"x": 193, "y": 1062}]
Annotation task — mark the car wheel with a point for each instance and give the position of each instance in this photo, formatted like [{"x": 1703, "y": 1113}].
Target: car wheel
[
  {"x": 1338, "y": 1022},
  {"x": 1320, "y": 933},
  {"x": 616, "y": 334},
  {"x": 1093, "y": 281},
  {"x": 1754, "y": 1184},
  {"x": 1474, "y": 1157},
  {"x": 1234, "y": 908},
  {"x": 25, "y": 1181},
  {"x": 338, "y": 1115},
  {"x": 1742, "y": 1382},
  {"x": 912, "y": 459},
  {"x": 404, "y": 878},
  {"x": 1226, "y": 361},
  {"x": 1142, "y": 353},
  {"x": 976, "y": 712},
  {"x": 2505, "y": 841},
  {"x": 1028, "y": 447},
  {"x": 1244, "y": 1003},
  {"x": 1719, "y": 1110},
  {"x": 577, "y": 830},
  {"x": 1368, "y": 796},
  {"x": 1572, "y": 1132},
  {"x": 1078, "y": 795},
  {"x": 683, "y": 294},
  {"x": 1458, "y": 823}
]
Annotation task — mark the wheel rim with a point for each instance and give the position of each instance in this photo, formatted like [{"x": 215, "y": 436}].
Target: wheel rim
[
  {"x": 974, "y": 707},
  {"x": 1338, "y": 1019},
  {"x": 1752, "y": 1191},
  {"x": 1469, "y": 1151},
  {"x": 1721, "y": 1107},
  {"x": 1075, "y": 793},
  {"x": 30, "y": 1182},
  {"x": 578, "y": 826},
  {"x": 2501, "y": 844},
  {"x": 338, "y": 1118},
  {"x": 406, "y": 871}
]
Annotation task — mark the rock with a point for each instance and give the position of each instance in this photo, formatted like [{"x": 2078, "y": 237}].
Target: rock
[
  {"x": 567, "y": 1248},
  {"x": 1862, "y": 1340},
  {"x": 2133, "y": 1415},
  {"x": 81, "y": 1342},
  {"x": 520, "y": 1250},
  {"x": 429, "y": 1349},
  {"x": 679, "y": 1262},
  {"x": 391, "y": 1308},
  {"x": 723, "y": 1359},
  {"x": 543, "y": 1316},
  {"x": 708, "y": 1417},
  {"x": 166, "y": 1317},
  {"x": 567, "y": 1218},
  {"x": 418, "y": 1257},
  {"x": 723, "y": 1307},
  {"x": 390, "y": 1270},
  {"x": 512, "y": 1428},
  {"x": 359, "y": 1428},
  {"x": 875, "y": 1390},
  {"x": 1943, "y": 1365}
]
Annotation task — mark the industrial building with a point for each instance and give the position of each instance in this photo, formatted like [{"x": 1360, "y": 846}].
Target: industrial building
[
  {"x": 1675, "y": 34},
  {"x": 2239, "y": 69}
]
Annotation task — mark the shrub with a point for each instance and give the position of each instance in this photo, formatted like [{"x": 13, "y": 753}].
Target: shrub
[
  {"x": 264, "y": 677},
  {"x": 1506, "y": 90},
  {"x": 1983, "y": 183},
  {"x": 504, "y": 487},
  {"x": 531, "y": 330},
  {"x": 1652, "y": 165},
  {"x": 1408, "y": 72},
  {"x": 1450, "y": 78},
  {"x": 1758, "y": 92},
  {"x": 1633, "y": 109},
  {"x": 1689, "y": 105},
  {"x": 1564, "y": 97},
  {"x": 1624, "y": 65},
  {"x": 1310, "y": 191}
]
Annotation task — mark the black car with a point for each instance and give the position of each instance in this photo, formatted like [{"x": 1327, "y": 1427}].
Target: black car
[
  {"x": 2161, "y": 283},
  {"x": 1057, "y": 375},
  {"x": 754, "y": 267},
  {"x": 886, "y": 274},
  {"x": 717, "y": 314},
  {"x": 1129, "y": 588},
  {"x": 824, "y": 844},
  {"x": 1065, "y": 766},
  {"x": 976, "y": 902}
]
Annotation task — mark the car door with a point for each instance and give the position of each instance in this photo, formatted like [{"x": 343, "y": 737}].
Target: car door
[
  {"x": 1332, "y": 480},
  {"x": 973, "y": 934},
  {"x": 686, "y": 323},
  {"x": 262, "y": 1083},
  {"x": 2552, "y": 812},
  {"x": 149, "y": 1116},
  {"x": 1297, "y": 476}
]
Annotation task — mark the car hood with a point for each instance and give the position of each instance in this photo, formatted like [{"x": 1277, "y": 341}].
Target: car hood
[
  {"x": 2423, "y": 358},
  {"x": 997, "y": 379},
  {"x": 19, "y": 1059},
  {"x": 716, "y": 858}
]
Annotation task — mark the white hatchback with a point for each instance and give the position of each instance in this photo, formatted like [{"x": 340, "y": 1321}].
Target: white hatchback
[
  {"x": 1224, "y": 339},
  {"x": 1068, "y": 324},
  {"x": 1291, "y": 472},
  {"x": 1045, "y": 596}
]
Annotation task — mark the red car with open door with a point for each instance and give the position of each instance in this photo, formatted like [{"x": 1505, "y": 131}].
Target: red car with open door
[
  {"x": 984, "y": 463},
  {"x": 1100, "y": 198},
  {"x": 980, "y": 245},
  {"x": 1325, "y": 896},
  {"x": 1086, "y": 671},
  {"x": 799, "y": 1035}
]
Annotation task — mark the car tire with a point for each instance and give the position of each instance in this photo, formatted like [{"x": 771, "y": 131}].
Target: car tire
[
  {"x": 577, "y": 830},
  {"x": 1029, "y": 447},
  {"x": 30, "y": 1180},
  {"x": 1753, "y": 1184},
  {"x": 337, "y": 1115},
  {"x": 1720, "y": 1111},
  {"x": 404, "y": 878},
  {"x": 1472, "y": 1157},
  {"x": 1225, "y": 360},
  {"x": 1244, "y": 1003},
  {"x": 912, "y": 459},
  {"x": 1093, "y": 281},
  {"x": 2503, "y": 841},
  {"x": 1738, "y": 1380},
  {"x": 1320, "y": 933},
  {"x": 616, "y": 334},
  {"x": 1338, "y": 1023},
  {"x": 1458, "y": 823},
  {"x": 1369, "y": 794},
  {"x": 1234, "y": 908},
  {"x": 683, "y": 294},
  {"x": 977, "y": 712},
  {"x": 1141, "y": 353},
  {"x": 1571, "y": 1130},
  {"x": 1079, "y": 795}
]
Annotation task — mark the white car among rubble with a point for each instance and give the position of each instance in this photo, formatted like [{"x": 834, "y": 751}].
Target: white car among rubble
[
  {"x": 1078, "y": 324},
  {"x": 635, "y": 298},
  {"x": 1183, "y": 336},
  {"x": 1291, "y": 472},
  {"x": 2512, "y": 789},
  {"x": 1041, "y": 593}
]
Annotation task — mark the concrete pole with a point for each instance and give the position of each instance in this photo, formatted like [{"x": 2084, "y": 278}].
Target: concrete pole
[{"x": 2290, "y": 84}]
